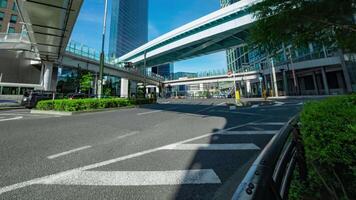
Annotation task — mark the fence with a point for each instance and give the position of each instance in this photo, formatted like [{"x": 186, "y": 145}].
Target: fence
[{"x": 270, "y": 175}]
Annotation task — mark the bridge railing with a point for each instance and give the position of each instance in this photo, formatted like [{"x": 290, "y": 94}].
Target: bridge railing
[
  {"x": 270, "y": 175},
  {"x": 14, "y": 37},
  {"x": 84, "y": 51}
]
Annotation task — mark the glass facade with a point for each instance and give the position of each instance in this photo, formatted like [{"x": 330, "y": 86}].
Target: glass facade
[
  {"x": 165, "y": 70},
  {"x": 129, "y": 26},
  {"x": 236, "y": 58}
]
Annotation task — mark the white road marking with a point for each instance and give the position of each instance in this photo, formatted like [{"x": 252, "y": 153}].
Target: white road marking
[
  {"x": 242, "y": 146},
  {"x": 220, "y": 104},
  {"x": 278, "y": 103},
  {"x": 236, "y": 112},
  {"x": 127, "y": 135},
  {"x": 250, "y": 132},
  {"x": 269, "y": 123},
  {"x": 9, "y": 119},
  {"x": 167, "y": 102},
  {"x": 149, "y": 112},
  {"x": 255, "y": 106},
  {"x": 68, "y": 152},
  {"x": 300, "y": 104},
  {"x": 103, "y": 163},
  {"x": 137, "y": 178}
]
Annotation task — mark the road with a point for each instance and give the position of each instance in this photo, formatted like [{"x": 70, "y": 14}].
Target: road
[{"x": 198, "y": 149}]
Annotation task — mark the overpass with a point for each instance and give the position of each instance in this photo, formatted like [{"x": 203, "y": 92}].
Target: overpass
[
  {"x": 46, "y": 44},
  {"x": 219, "y": 30}
]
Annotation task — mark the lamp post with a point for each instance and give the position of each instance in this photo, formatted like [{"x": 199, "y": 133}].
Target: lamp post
[{"x": 102, "y": 56}]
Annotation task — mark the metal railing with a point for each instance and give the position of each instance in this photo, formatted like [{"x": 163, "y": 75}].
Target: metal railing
[
  {"x": 270, "y": 175},
  {"x": 14, "y": 37},
  {"x": 84, "y": 51}
]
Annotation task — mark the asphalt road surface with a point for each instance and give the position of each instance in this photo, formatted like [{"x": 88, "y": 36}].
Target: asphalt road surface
[{"x": 172, "y": 150}]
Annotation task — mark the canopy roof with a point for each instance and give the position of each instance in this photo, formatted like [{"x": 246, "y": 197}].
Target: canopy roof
[{"x": 49, "y": 24}]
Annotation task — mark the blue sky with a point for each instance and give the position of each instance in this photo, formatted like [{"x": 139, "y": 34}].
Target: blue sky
[{"x": 164, "y": 16}]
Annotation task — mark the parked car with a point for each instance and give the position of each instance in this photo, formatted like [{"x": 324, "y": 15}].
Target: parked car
[
  {"x": 31, "y": 98},
  {"x": 77, "y": 96}
]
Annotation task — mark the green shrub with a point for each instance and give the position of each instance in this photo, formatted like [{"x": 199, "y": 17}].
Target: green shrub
[
  {"x": 82, "y": 104},
  {"x": 329, "y": 134}
]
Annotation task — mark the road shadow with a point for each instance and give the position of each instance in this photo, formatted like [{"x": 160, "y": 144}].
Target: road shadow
[{"x": 230, "y": 166}]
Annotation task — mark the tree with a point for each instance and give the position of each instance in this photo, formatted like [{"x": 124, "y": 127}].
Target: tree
[
  {"x": 85, "y": 82},
  {"x": 297, "y": 22}
]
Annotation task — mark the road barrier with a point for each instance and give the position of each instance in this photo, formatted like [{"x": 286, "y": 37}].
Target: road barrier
[{"x": 270, "y": 175}]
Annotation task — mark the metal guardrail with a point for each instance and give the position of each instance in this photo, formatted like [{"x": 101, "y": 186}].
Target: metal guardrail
[
  {"x": 270, "y": 175},
  {"x": 84, "y": 51},
  {"x": 14, "y": 37}
]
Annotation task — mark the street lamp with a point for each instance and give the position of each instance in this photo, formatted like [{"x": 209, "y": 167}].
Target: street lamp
[{"x": 102, "y": 56}]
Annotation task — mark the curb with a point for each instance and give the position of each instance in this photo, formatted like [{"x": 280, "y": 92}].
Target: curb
[
  {"x": 12, "y": 108},
  {"x": 64, "y": 113}
]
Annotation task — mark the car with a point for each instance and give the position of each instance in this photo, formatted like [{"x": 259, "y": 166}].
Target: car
[
  {"x": 31, "y": 98},
  {"x": 77, "y": 96}
]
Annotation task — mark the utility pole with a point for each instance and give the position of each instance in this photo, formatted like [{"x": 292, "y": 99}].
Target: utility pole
[{"x": 102, "y": 56}]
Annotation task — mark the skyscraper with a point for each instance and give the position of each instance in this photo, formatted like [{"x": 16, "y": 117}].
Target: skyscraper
[
  {"x": 129, "y": 26},
  {"x": 236, "y": 57}
]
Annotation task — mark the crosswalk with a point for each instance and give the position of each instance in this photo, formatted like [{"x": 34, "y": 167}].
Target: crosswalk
[{"x": 207, "y": 165}]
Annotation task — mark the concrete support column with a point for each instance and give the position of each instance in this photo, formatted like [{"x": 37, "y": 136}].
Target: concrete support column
[
  {"x": 47, "y": 76},
  {"x": 124, "y": 91},
  {"x": 275, "y": 88},
  {"x": 346, "y": 72},
  {"x": 285, "y": 83},
  {"x": 248, "y": 88},
  {"x": 325, "y": 81},
  {"x": 316, "y": 89}
]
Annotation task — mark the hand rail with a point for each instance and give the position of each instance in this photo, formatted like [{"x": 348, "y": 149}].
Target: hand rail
[{"x": 270, "y": 175}]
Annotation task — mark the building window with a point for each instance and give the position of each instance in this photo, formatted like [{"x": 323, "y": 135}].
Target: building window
[
  {"x": 14, "y": 7},
  {"x": 13, "y": 19},
  {"x": 3, "y": 3},
  {"x": 2, "y": 15},
  {"x": 11, "y": 30}
]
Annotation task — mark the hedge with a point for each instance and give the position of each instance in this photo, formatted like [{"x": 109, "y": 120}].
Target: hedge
[
  {"x": 71, "y": 105},
  {"x": 328, "y": 130}
]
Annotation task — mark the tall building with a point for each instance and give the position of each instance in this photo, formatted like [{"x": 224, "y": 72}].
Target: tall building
[
  {"x": 236, "y": 57},
  {"x": 9, "y": 18},
  {"x": 165, "y": 70},
  {"x": 129, "y": 26}
]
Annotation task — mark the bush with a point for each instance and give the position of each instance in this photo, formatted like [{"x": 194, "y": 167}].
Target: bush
[
  {"x": 82, "y": 104},
  {"x": 329, "y": 134}
]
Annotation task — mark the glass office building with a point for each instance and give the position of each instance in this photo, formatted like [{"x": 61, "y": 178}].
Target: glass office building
[
  {"x": 165, "y": 70},
  {"x": 129, "y": 26},
  {"x": 236, "y": 58}
]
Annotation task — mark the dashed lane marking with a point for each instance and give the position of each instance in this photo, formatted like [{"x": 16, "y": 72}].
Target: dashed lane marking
[
  {"x": 10, "y": 119},
  {"x": 68, "y": 152}
]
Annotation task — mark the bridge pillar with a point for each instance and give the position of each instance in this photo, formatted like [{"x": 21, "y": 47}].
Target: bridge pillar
[
  {"x": 248, "y": 88},
  {"x": 124, "y": 91},
  {"x": 47, "y": 76}
]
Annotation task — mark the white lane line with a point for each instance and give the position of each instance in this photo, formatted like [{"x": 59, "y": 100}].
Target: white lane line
[
  {"x": 278, "y": 103},
  {"x": 9, "y": 119},
  {"x": 47, "y": 178},
  {"x": 167, "y": 102},
  {"x": 68, "y": 152},
  {"x": 149, "y": 112},
  {"x": 220, "y": 104},
  {"x": 235, "y": 112},
  {"x": 224, "y": 147},
  {"x": 127, "y": 135},
  {"x": 138, "y": 178},
  {"x": 250, "y": 132},
  {"x": 269, "y": 123},
  {"x": 255, "y": 106}
]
